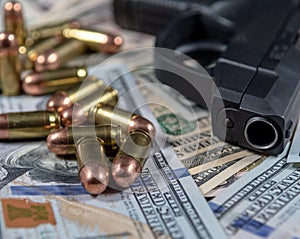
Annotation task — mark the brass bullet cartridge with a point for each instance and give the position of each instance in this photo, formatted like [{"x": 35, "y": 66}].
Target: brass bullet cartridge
[
  {"x": 53, "y": 59},
  {"x": 92, "y": 165},
  {"x": 42, "y": 46},
  {"x": 40, "y": 83},
  {"x": 98, "y": 41},
  {"x": 14, "y": 21},
  {"x": 10, "y": 68},
  {"x": 131, "y": 157},
  {"x": 62, "y": 141},
  {"x": 26, "y": 63},
  {"x": 79, "y": 112},
  {"x": 128, "y": 122},
  {"x": 92, "y": 86},
  {"x": 40, "y": 33},
  {"x": 28, "y": 125}
]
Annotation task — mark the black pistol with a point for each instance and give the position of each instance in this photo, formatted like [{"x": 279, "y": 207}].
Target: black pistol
[
  {"x": 251, "y": 48},
  {"x": 151, "y": 16}
]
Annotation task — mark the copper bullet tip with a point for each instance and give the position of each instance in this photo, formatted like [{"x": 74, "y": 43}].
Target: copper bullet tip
[
  {"x": 125, "y": 170},
  {"x": 74, "y": 24},
  {"x": 113, "y": 44},
  {"x": 8, "y": 41},
  {"x": 8, "y": 6},
  {"x": 59, "y": 101},
  {"x": 94, "y": 177},
  {"x": 118, "y": 41},
  {"x": 13, "y": 7},
  {"x": 48, "y": 60},
  {"x": 57, "y": 142},
  {"x": 139, "y": 123},
  {"x": 73, "y": 115},
  {"x": 32, "y": 84}
]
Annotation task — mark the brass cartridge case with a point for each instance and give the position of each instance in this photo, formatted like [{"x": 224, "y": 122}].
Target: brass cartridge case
[
  {"x": 92, "y": 165},
  {"x": 79, "y": 112},
  {"x": 92, "y": 86},
  {"x": 28, "y": 125},
  {"x": 10, "y": 68},
  {"x": 62, "y": 141},
  {"x": 43, "y": 45},
  {"x": 53, "y": 59},
  {"x": 40, "y": 33},
  {"x": 131, "y": 157},
  {"x": 40, "y": 83},
  {"x": 128, "y": 121},
  {"x": 14, "y": 21},
  {"x": 98, "y": 41},
  {"x": 26, "y": 63}
]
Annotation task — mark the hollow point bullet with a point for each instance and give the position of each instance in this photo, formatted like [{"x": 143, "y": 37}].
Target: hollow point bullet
[
  {"x": 14, "y": 21},
  {"x": 53, "y": 59},
  {"x": 28, "y": 125},
  {"x": 98, "y": 41},
  {"x": 62, "y": 141},
  {"x": 93, "y": 164},
  {"x": 40, "y": 83},
  {"x": 131, "y": 157},
  {"x": 10, "y": 68}
]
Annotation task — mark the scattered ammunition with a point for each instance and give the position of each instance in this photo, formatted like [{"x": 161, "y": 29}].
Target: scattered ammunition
[
  {"x": 14, "y": 22},
  {"x": 28, "y": 125},
  {"x": 126, "y": 120},
  {"x": 53, "y": 59},
  {"x": 92, "y": 165},
  {"x": 26, "y": 63},
  {"x": 10, "y": 68},
  {"x": 79, "y": 112},
  {"x": 97, "y": 41},
  {"x": 61, "y": 141},
  {"x": 73, "y": 116},
  {"x": 35, "y": 35},
  {"x": 42, "y": 46},
  {"x": 132, "y": 155},
  {"x": 40, "y": 83},
  {"x": 65, "y": 99}
]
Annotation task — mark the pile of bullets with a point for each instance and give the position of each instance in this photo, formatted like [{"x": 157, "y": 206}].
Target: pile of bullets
[
  {"x": 44, "y": 52},
  {"x": 111, "y": 145}
]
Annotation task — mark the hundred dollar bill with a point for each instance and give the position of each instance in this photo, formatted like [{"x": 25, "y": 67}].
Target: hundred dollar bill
[
  {"x": 294, "y": 153},
  {"x": 264, "y": 203},
  {"x": 45, "y": 199},
  {"x": 223, "y": 173},
  {"x": 226, "y": 183},
  {"x": 16, "y": 104},
  {"x": 189, "y": 132}
]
